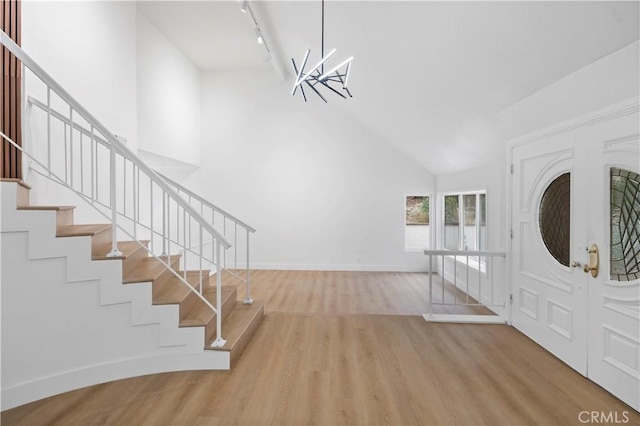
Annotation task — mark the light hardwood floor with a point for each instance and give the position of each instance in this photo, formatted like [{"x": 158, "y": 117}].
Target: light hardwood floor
[{"x": 341, "y": 348}]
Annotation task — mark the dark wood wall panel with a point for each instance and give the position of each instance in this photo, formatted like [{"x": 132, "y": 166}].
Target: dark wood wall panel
[{"x": 11, "y": 162}]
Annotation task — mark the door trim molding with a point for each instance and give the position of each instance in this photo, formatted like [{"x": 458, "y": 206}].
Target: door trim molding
[{"x": 612, "y": 112}]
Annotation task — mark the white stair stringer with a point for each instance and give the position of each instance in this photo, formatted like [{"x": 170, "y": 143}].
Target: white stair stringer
[{"x": 69, "y": 322}]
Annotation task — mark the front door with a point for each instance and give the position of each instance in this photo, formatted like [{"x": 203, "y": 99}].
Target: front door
[{"x": 572, "y": 191}]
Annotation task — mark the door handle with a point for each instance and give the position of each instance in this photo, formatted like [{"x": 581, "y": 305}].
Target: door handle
[{"x": 593, "y": 266}]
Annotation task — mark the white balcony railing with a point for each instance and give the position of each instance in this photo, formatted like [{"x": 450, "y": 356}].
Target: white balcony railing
[{"x": 466, "y": 286}]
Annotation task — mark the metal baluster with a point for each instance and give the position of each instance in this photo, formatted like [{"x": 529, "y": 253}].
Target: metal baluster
[
  {"x": 66, "y": 160},
  {"x": 114, "y": 230},
  {"x": 153, "y": 245},
  {"x": 467, "y": 279},
  {"x": 455, "y": 279},
  {"x": 135, "y": 202},
  {"x": 443, "y": 275},
  {"x": 224, "y": 233},
  {"x": 71, "y": 145},
  {"x": 81, "y": 165},
  {"x": 248, "y": 300},
  {"x": 219, "y": 342},
  {"x": 479, "y": 282},
  {"x": 93, "y": 167},
  {"x": 49, "y": 129},
  {"x": 165, "y": 213},
  {"x": 201, "y": 255},
  {"x": 235, "y": 246},
  {"x": 430, "y": 305},
  {"x": 168, "y": 225},
  {"x": 492, "y": 278},
  {"x": 177, "y": 221},
  {"x": 124, "y": 187},
  {"x": 184, "y": 241}
]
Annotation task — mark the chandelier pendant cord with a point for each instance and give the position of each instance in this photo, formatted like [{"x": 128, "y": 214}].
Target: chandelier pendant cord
[{"x": 322, "y": 43}]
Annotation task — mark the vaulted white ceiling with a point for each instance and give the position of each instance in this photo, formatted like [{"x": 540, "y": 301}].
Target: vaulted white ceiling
[{"x": 428, "y": 77}]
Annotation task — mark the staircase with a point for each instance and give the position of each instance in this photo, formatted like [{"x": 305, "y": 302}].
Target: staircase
[
  {"x": 136, "y": 269},
  {"x": 166, "y": 299}
]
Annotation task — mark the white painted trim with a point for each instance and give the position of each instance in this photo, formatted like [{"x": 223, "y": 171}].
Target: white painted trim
[
  {"x": 342, "y": 267},
  {"x": 464, "y": 319},
  {"x": 24, "y": 393},
  {"x": 628, "y": 107}
]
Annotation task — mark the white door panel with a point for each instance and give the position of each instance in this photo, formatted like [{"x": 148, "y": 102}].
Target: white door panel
[
  {"x": 550, "y": 305},
  {"x": 614, "y": 305}
]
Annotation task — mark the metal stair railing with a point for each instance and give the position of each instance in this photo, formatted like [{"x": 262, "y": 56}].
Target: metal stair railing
[
  {"x": 233, "y": 228},
  {"x": 119, "y": 185}
]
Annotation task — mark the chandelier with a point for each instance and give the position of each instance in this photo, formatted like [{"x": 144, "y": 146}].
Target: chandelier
[{"x": 316, "y": 78}]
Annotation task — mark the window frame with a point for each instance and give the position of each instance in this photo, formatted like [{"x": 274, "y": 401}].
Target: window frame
[
  {"x": 430, "y": 225},
  {"x": 473, "y": 263}
]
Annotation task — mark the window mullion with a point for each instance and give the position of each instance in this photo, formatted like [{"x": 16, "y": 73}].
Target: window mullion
[{"x": 461, "y": 222}]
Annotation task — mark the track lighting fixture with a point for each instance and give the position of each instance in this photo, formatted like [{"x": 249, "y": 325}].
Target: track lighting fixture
[{"x": 245, "y": 7}]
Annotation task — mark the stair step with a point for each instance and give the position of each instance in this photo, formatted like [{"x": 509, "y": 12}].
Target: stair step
[
  {"x": 18, "y": 181},
  {"x": 174, "y": 291},
  {"x": 22, "y": 193},
  {"x": 239, "y": 327},
  {"x": 64, "y": 214},
  {"x": 201, "y": 315},
  {"x": 150, "y": 269},
  {"x": 100, "y": 234},
  {"x": 82, "y": 230},
  {"x": 133, "y": 252},
  {"x": 128, "y": 248}
]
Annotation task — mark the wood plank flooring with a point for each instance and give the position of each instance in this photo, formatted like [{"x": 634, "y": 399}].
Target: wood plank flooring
[{"x": 324, "y": 355}]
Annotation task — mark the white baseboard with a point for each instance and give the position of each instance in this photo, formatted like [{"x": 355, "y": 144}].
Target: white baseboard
[
  {"x": 464, "y": 319},
  {"x": 44, "y": 387},
  {"x": 341, "y": 267}
]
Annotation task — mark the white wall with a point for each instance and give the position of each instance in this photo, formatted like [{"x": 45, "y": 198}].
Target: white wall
[
  {"x": 322, "y": 191},
  {"x": 606, "y": 82},
  {"x": 168, "y": 92},
  {"x": 89, "y": 48}
]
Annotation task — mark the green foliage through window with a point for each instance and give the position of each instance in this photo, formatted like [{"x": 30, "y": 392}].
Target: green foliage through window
[{"x": 417, "y": 210}]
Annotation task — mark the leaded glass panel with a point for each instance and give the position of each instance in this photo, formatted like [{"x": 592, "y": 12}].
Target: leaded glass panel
[
  {"x": 625, "y": 225},
  {"x": 555, "y": 218}
]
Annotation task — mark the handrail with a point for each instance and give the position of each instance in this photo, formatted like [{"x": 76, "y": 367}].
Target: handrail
[
  {"x": 120, "y": 147},
  {"x": 174, "y": 207},
  {"x": 179, "y": 189},
  {"x": 195, "y": 196}
]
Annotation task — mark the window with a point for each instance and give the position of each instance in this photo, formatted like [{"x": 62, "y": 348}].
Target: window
[
  {"x": 416, "y": 222},
  {"x": 465, "y": 221}
]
